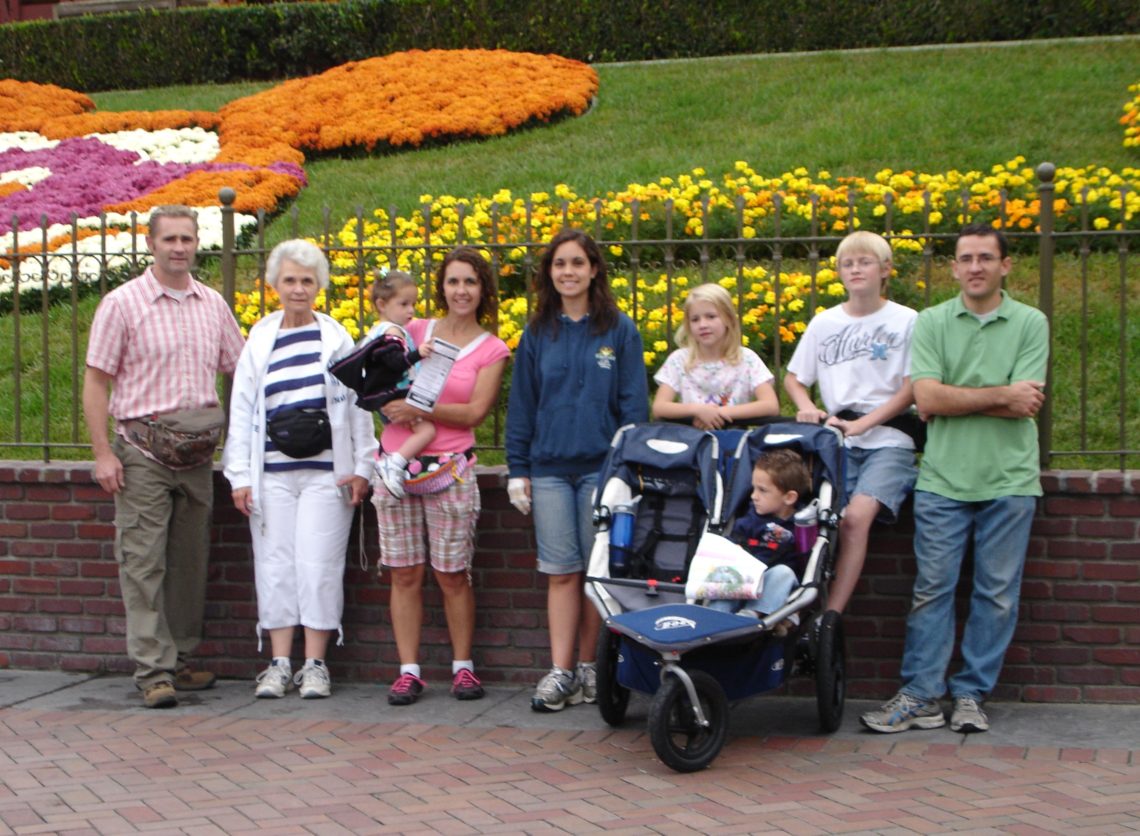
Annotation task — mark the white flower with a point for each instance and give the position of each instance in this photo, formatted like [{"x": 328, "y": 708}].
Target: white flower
[
  {"x": 28, "y": 176},
  {"x": 169, "y": 145},
  {"x": 25, "y": 140}
]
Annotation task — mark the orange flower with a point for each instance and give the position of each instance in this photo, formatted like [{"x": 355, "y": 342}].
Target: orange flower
[
  {"x": 256, "y": 189},
  {"x": 405, "y": 98},
  {"x": 25, "y": 105},
  {"x": 62, "y": 127}
]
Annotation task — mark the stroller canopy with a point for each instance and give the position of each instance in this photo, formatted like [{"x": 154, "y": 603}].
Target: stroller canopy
[
  {"x": 820, "y": 446},
  {"x": 642, "y": 451}
]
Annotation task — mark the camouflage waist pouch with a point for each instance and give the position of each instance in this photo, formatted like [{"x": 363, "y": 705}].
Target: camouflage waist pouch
[{"x": 180, "y": 440}]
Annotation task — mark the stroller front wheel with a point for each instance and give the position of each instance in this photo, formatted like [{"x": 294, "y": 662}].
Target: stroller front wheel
[
  {"x": 679, "y": 740},
  {"x": 613, "y": 698},
  {"x": 830, "y": 671}
]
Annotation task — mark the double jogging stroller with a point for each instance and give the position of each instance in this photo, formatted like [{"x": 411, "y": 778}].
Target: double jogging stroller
[{"x": 660, "y": 490}]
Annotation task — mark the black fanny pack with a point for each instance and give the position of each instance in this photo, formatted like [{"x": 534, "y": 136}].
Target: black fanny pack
[
  {"x": 907, "y": 422},
  {"x": 300, "y": 433}
]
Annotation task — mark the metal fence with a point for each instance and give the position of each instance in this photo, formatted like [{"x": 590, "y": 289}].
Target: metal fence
[{"x": 1091, "y": 418}]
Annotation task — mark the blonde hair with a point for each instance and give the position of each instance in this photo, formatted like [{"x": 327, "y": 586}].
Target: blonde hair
[
  {"x": 720, "y": 299},
  {"x": 869, "y": 243}
]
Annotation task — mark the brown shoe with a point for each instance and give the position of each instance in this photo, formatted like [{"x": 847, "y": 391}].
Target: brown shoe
[
  {"x": 188, "y": 680},
  {"x": 160, "y": 695}
]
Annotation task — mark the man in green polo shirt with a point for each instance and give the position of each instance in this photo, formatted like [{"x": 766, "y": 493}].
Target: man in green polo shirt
[{"x": 978, "y": 364}]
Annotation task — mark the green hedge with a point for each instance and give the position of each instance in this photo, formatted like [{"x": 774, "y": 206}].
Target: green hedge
[{"x": 232, "y": 43}]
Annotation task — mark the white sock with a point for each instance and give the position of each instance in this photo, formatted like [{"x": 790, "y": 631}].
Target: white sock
[
  {"x": 320, "y": 663},
  {"x": 457, "y": 665},
  {"x": 414, "y": 670},
  {"x": 283, "y": 662}
]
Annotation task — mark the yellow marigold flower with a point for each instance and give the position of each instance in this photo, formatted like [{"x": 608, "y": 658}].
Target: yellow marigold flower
[
  {"x": 660, "y": 345},
  {"x": 1101, "y": 223},
  {"x": 650, "y": 357},
  {"x": 616, "y": 250},
  {"x": 836, "y": 289}
]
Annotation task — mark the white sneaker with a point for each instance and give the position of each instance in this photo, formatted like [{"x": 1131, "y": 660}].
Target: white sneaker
[
  {"x": 314, "y": 681},
  {"x": 273, "y": 682},
  {"x": 556, "y": 690},
  {"x": 392, "y": 475}
]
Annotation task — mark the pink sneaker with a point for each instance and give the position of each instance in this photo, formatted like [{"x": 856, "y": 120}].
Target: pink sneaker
[
  {"x": 405, "y": 690},
  {"x": 466, "y": 686}
]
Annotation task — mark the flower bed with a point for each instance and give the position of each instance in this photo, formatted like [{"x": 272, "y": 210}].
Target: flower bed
[{"x": 59, "y": 159}]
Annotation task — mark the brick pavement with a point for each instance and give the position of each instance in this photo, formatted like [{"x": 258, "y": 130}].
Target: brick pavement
[{"x": 125, "y": 771}]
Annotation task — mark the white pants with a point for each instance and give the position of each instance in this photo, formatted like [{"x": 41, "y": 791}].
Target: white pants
[{"x": 300, "y": 533}]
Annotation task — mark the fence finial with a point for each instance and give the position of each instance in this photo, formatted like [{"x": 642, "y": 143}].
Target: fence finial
[{"x": 1046, "y": 172}]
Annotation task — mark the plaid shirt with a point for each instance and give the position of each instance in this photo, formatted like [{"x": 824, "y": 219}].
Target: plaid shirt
[{"x": 163, "y": 354}]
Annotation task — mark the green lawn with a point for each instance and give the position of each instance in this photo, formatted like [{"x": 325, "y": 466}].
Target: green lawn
[{"x": 850, "y": 113}]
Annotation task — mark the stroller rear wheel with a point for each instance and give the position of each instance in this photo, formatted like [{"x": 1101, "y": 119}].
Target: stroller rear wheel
[
  {"x": 679, "y": 740},
  {"x": 830, "y": 671},
  {"x": 613, "y": 698}
]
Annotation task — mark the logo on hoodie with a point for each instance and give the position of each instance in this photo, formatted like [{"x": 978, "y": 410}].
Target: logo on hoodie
[{"x": 605, "y": 357}]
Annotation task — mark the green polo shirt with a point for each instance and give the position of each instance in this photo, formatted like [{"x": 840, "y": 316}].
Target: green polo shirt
[{"x": 972, "y": 458}]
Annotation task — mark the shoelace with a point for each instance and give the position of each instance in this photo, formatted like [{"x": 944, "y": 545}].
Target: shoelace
[
  {"x": 403, "y": 684},
  {"x": 466, "y": 679}
]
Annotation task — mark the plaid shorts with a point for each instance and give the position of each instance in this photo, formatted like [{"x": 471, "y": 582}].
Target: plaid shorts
[{"x": 449, "y": 518}]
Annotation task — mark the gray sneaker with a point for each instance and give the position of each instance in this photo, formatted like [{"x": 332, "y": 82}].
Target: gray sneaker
[
  {"x": 556, "y": 690},
  {"x": 273, "y": 682},
  {"x": 968, "y": 716},
  {"x": 313, "y": 681},
  {"x": 588, "y": 676},
  {"x": 903, "y": 712}
]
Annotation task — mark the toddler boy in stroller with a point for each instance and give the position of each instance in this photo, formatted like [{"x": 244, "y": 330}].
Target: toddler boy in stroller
[{"x": 780, "y": 480}]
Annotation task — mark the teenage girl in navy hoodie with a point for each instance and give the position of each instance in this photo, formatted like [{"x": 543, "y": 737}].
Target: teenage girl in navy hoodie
[{"x": 579, "y": 374}]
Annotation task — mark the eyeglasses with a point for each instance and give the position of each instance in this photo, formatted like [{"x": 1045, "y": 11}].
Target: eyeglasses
[{"x": 983, "y": 259}]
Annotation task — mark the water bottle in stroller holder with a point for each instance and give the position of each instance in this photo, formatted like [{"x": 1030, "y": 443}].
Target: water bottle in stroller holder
[
  {"x": 807, "y": 526},
  {"x": 621, "y": 539}
]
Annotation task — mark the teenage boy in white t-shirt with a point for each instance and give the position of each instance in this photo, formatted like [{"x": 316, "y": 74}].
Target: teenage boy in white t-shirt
[{"x": 859, "y": 354}]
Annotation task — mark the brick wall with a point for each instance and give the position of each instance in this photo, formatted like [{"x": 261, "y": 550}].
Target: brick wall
[{"x": 1078, "y": 638}]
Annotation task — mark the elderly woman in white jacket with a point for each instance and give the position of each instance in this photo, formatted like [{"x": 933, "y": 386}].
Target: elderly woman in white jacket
[{"x": 299, "y": 456}]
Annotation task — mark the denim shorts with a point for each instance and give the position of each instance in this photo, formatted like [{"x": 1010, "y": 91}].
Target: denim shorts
[
  {"x": 563, "y": 508},
  {"x": 886, "y": 474}
]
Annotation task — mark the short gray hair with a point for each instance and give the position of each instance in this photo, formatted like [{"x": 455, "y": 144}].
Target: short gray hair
[{"x": 299, "y": 251}]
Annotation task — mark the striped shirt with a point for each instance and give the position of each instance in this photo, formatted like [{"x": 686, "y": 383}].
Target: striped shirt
[
  {"x": 295, "y": 379},
  {"x": 163, "y": 353}
]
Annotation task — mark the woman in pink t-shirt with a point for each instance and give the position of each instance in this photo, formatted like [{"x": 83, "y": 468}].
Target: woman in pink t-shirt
[{"x": 440, "y": 527}]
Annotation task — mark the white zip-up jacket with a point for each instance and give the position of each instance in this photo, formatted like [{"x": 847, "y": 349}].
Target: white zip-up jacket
[{"x": 354, "y": 442}]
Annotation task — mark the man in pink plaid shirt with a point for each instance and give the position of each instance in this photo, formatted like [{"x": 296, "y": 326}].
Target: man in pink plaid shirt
[{"x": 156, "y": 347}]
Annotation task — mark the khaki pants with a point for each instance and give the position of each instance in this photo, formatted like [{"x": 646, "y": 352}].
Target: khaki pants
[{"x": 162, "y": 545}]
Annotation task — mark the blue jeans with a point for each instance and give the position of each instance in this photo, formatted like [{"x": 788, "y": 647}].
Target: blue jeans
[
  {"x": 1000, "y": 528},
  {"x": 563, "y": 521}
]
